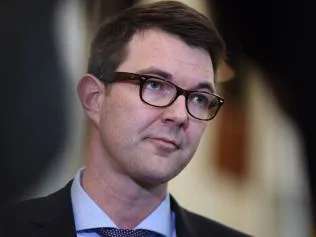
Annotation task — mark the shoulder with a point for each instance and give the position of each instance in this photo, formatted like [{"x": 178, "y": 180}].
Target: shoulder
[
  {"x": 24, "y": 208},
  {"x": 45, "y": 203},
  {"x": 209, "y": 226},
  {"x": 22, "y": 214},
  {"x": 198, "y": 225}
]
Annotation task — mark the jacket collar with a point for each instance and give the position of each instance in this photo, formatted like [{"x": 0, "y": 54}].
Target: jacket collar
[
  {"x": 183, "y": 224},
  {"x": 55, "y": 215}
]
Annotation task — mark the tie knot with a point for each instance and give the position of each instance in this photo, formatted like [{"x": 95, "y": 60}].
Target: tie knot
[{"x": 114, "y": 232}]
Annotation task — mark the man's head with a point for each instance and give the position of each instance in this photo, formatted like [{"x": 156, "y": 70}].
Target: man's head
[
  {"x": 150, "y": 90},
  {"x": 109, "y": 47}
]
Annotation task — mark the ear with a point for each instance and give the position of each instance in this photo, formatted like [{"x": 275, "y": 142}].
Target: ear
[{"x": 91, "y": 93}]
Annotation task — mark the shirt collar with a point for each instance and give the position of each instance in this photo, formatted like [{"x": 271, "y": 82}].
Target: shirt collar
[{"x": 88, "y": 214}]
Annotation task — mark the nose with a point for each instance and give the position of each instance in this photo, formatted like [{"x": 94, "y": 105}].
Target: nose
[{"x": 176, "y": 112}]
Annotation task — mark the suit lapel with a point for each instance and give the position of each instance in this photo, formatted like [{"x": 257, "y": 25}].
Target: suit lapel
[
  {"x": 183, "y": 226},
  {"x": 54, "y": 217}
]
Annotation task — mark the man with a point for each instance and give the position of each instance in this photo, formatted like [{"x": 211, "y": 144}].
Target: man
[{"x": 149, "y": 93}]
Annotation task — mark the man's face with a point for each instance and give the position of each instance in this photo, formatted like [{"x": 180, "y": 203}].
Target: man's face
[{"x": 148, "y": 144}]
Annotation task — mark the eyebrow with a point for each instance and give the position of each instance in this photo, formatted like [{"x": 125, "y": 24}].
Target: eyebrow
[
  {"x": 156, "y": 71},
  {"x": 168, "y": 76}
]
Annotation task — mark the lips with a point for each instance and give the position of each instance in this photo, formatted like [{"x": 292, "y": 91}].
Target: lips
[{"x": 166, "y": 142}]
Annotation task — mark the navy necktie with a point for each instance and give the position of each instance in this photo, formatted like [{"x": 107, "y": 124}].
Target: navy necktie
[{"x": 114, "y": 232}]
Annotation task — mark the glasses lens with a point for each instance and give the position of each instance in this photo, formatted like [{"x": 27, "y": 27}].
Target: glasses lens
[
  {"x": 158, "y": 92},
  {"x": 203, "y": 105}
]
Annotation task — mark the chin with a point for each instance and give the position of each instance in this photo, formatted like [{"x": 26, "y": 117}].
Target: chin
[{"x": 156, "y": 178}]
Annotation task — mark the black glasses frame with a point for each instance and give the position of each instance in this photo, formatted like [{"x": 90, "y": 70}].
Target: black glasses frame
[{"x": 126, "y": 76}]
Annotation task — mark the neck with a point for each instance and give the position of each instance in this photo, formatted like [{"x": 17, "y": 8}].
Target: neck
[
  {"x": 123, "y": 199},
  {"x": 125, "y": 202}
]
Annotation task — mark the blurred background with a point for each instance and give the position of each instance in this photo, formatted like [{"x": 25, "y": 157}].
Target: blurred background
[{"x": 254, "y": 168}]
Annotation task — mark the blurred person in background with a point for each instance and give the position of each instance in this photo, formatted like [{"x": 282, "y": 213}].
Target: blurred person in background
[
  {"x": 33, "y": 120},
  {"x": 273, "y": 35},
  {"x": 149, "y": 92}
]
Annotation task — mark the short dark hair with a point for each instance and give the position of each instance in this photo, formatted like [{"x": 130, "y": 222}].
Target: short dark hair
[{"x": 109, "y": 46}]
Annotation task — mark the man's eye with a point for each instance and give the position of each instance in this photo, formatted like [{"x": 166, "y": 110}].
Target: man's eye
[
  {"x": 154, "y": 85},
  {"x": 200, "y": 99}
]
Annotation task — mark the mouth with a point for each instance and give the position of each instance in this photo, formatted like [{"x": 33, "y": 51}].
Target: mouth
[{"x": 165, "y": 142}]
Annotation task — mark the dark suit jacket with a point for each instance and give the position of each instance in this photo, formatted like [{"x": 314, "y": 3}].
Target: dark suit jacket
[{"x": 52, "y": 216}]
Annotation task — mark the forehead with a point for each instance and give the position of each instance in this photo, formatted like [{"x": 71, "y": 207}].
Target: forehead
[{"x": 188, "y": 65}]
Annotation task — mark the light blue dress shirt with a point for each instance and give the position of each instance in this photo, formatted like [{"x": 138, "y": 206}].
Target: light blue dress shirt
[{"x": 89, "y": 215}]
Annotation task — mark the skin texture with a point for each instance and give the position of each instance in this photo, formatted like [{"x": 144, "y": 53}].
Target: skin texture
[{"x": 135, "y": 149}]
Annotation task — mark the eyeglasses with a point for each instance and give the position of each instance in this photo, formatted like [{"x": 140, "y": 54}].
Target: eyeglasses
[{"x": 157, "y": 92}]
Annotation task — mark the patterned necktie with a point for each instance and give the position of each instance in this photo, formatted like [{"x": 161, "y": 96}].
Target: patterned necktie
[{"x": 113, "y": 232}]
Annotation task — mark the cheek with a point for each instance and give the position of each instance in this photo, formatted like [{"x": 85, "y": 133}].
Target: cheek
[
  {"x": 127, "y": 117},
  {"x": 194, "y": 134}
]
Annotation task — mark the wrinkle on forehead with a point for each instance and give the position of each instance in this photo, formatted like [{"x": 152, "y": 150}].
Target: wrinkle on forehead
[
  {"x": 160, "y": 49},
  {"x": 140, "y": 36}
]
